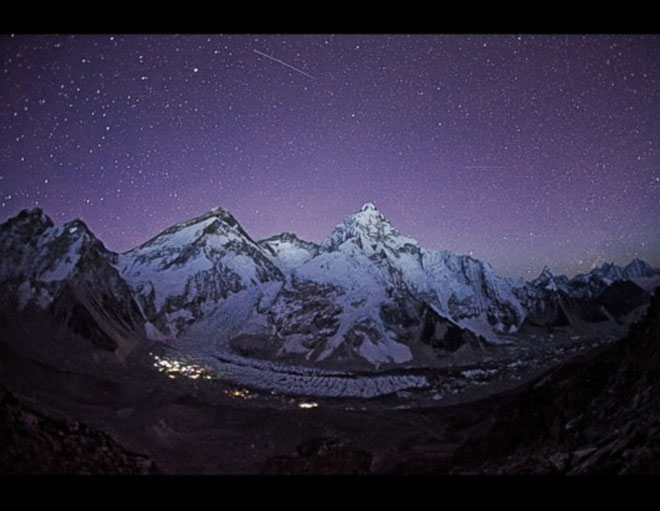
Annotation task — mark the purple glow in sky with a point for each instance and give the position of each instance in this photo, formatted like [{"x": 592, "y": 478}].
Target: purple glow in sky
[{"x": 523, "y": 151}]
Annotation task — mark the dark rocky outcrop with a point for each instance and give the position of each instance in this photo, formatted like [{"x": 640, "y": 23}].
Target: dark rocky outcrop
[
  {"x": 31, "y": 443},
  {"x": 596, "y": 415}
]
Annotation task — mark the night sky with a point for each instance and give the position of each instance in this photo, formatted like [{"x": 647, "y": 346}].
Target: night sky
[{"x": 522, "y": 151}]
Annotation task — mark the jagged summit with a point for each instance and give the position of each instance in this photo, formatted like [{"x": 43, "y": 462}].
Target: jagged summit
[
  {"x": 549, "y": 280},
  {"x": 546, "y": 272},
  {"x": 638, "y": 268},
  {"x": 370, "y": 212},
  {"x": 368, "y": 229},
  {"x": 217, "y": 218},
  {"x": 79, "y": 227},
  {"x": 635, "y": 269},
  {"x": 28, "y": 221},
  {"x": 215, "y": 212},
  {"x": 34, "y": 213}
]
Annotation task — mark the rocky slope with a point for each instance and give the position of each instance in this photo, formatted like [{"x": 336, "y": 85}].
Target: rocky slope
[
  {"x": 35, "y": 444},
  {"x": 187, "y": 269},
  {"x": 596, "y": 415},
  {"x": 67, "y": 271},
  {"x": 605, "y": 294}
]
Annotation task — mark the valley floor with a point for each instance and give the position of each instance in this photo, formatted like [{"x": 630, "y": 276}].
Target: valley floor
[{"x": 198, "y": 417}]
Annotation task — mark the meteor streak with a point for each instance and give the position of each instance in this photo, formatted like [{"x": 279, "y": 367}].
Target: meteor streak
[{"x": 284, "y": 64}]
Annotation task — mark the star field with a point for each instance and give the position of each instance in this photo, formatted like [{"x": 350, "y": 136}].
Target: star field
[{"x": 521, "y": 150}]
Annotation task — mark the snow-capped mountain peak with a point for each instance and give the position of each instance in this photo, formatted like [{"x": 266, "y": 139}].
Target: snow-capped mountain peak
[
  {"x": 212, "y": 221},
  {"x": 369, "y": 206},
  {"x": 363, "y": 294},
  {"x": 638, "y": 268},
  {"x": 188, "y": 268},
  {"x": 369, "y": 214},
  {"x": 369, "y": 230}
]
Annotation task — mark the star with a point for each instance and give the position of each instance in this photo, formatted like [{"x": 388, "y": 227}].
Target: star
[{"x": 526, "y": 150}]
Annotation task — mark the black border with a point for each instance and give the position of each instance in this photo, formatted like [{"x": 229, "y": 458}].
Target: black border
[{"x": 374, "y": 18}]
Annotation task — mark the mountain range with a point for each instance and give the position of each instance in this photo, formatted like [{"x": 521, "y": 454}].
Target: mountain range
[{"x": 366, "y": 297}]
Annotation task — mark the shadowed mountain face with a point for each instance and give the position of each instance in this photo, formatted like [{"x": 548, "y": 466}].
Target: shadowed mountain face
[
  {"x": 622, "y": 297},
  {"x": 596, "y": 415}
]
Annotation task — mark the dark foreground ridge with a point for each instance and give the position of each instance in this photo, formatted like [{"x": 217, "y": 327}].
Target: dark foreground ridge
[
  {"x": 34, "y": 444},
  {"x": 596, "y": 415}
]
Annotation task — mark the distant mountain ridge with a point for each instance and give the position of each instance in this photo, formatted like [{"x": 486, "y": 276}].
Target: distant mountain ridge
[{"x": 367, "y": 295}]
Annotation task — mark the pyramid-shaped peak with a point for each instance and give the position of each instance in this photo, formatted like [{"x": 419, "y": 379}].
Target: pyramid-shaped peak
[
  {"x": 637, "y": 262},
  {"x": 369, "y": 229},
  {"x": 639, "y": 268},
  {"x": 368, "y": 213},
  {"x": 217, "y": 212},
  {"x": 217, "y": 219}
]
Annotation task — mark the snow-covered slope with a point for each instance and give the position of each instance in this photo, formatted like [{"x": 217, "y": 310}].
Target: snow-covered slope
[
  {"x": 66, "y": 271},
  {"x": 458, "y": 287},
  {"x": 288, "y": 251},
  {"x": 183, "y": 273},
  {"x": 367, "y": 296}
]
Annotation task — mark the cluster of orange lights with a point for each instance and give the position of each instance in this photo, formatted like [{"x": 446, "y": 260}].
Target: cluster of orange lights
[
  {"x": 175, "y": 368},
  {"x": 239, "y": 393}
]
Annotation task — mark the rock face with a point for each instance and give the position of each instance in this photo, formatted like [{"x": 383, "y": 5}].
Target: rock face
[
  {"x": 68, "y": 272},
  {"x": 597, "y": 280},
  {"x": 622, "y": 297},
  {"x": 35, "y": 444},
  {"x": 596, "y": 415},
  {"x": 605, "y": 293},
  {"x": 187, "y": 269},
  {"x": 289, "y": 251}
]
